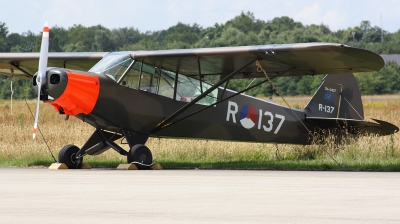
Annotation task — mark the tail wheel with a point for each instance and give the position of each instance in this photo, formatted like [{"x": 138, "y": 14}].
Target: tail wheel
[
  {"x": 67, "y": 156},
  {"x": 141, "y": 154}
]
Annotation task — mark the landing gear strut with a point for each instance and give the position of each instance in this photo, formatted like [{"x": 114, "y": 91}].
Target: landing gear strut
[
  {"x": 67, "y": 156},
  {"x": 101, "y": 141}
]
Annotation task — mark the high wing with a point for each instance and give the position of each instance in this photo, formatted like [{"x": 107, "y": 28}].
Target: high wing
[
  {"x": 24, "y": 65},
  {"x": 282, "y": 60}
]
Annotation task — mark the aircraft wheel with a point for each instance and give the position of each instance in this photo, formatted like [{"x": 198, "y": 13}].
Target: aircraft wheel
[
  {"x": 141, "y": 154},
  {"x": 67, "y": 156}
]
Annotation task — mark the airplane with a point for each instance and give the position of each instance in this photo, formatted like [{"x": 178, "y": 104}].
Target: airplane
[{"x": 182, "y": 93}]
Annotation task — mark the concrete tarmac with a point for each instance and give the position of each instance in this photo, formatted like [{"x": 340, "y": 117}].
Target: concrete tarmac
[{"x": 197, "y": 196}]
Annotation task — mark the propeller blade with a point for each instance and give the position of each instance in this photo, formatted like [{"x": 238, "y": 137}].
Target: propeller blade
[
  {"x": 35, "y": 125},
  {"x": 41, "y": 76}
]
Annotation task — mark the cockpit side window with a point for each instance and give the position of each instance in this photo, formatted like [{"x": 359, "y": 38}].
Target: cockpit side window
[
  {"x": 189, "y": 88},
  {"x": 148, "y": 79},
  {"x": 162, "y": 82},
  {"x": 131, "y": 78},
  {"x": 166, "y": 83}
]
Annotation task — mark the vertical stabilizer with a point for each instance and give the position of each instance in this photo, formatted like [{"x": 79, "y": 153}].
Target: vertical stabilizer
[{"x": 337, "y": 97}]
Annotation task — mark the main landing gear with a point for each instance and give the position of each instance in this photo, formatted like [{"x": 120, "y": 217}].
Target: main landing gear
[
  {"x": 140, "y": 154},
  {"x": 68, "y": 156},
  {"x": 101, "y": 141}
]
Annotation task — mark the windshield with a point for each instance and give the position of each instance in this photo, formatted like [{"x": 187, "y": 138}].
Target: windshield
[{"x": 113, "y": 65}]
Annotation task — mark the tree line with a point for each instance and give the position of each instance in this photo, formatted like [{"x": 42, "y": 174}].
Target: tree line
[{"x": 243, "y": 29}]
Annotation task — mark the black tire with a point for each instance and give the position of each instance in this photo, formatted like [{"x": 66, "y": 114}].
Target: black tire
[
  {"x": 141, "y": 154},
  {"x": 67, "y": 156}
]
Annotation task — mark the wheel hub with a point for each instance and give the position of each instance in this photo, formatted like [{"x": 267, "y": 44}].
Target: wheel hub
[
  {"x": 142, "y": 158},
  {"x": 73, "y": 158}
]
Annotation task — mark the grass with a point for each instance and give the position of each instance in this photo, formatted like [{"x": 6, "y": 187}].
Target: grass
[{"x": 369, "y": 153}]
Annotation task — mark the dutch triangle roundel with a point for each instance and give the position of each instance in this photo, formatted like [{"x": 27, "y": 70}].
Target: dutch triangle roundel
[{"x": 248, "y": 116}]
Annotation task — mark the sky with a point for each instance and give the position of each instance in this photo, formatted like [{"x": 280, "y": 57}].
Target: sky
[{"x": 153, "y": 15}]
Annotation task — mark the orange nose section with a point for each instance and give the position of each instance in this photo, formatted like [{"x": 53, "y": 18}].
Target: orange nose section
[{"x": 80, "y": 95}]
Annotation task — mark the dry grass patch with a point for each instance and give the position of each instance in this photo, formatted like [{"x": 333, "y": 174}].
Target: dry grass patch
[{"x": 367, "y": 153}]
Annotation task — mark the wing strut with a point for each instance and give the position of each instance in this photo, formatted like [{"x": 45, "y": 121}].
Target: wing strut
[
  {"x": 227, "y": 98},
  {"x": 175, "y": 83},
  {"x": 216, "y": 103},
  {"x": 200, "y": 76},
  {"x": 22, "y": 70},
  {"x": 166, "y": 121},
  {"x": 223, "y": 91}
]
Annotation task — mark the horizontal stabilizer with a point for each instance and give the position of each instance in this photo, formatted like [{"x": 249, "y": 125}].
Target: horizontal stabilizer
[{"x": 356, "y": 126}]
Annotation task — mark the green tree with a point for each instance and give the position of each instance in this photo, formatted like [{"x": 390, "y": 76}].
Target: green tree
[
  {"x": 243, "y": 29},
  {"x": 103, "y": 41},
  {"x": 3, "y": 37},
  {"x": 182, "y": 36},
  {"x": 13, "y": 42},
  {"x": 22, "y": 43},
  {"x": 123, "y": 37},
  {"x": 373, "y": 34},
  {"x": 81, "y": 38},
  {"x": 385, "y": 81},
  {"x": 281, "y": 24},
  {"x": 58, "y": 38},
  {"x": 352, "y": 34},
  {"x": 246, "y": 23},
  {"x": 231, "y": 36}
]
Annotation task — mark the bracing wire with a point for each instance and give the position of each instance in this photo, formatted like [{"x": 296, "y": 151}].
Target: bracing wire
[
  {"x": 261, "y": 69},
  {"x": 52, "y": 155},
  {"x": 12, "y": 93}
]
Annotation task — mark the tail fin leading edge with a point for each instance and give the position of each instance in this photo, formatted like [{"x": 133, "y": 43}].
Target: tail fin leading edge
[
  {"x": 337, "y": 97},
  {"x": 337, "y": 104}
]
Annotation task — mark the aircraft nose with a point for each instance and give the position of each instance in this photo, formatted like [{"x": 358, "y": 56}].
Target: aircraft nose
[
  {"x": 53, "y": 86},
  {"x": 57, "y": 80},
  {"x": 72, "y": 92}
]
